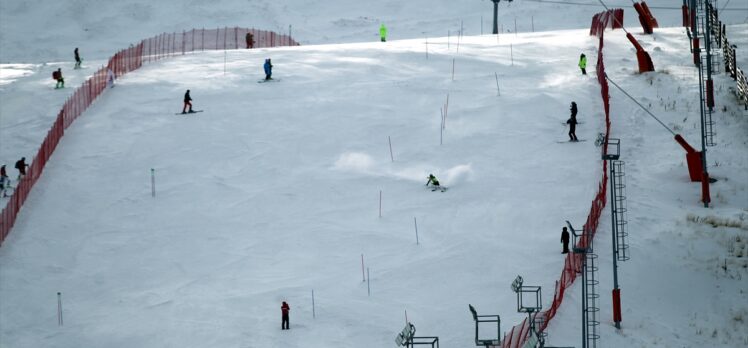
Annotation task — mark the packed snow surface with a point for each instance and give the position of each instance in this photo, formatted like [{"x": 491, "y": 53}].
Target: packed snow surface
[{"x": 277, "y": 191}]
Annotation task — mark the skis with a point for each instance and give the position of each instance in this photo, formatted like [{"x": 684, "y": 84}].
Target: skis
[
  {"x": 271, "y": 80},
  {"x": 571, "y": 141},
  {"x": 438, "y": 188},
  {"x": 564, "y": 123},
  {"x": 190, "y": 112}
]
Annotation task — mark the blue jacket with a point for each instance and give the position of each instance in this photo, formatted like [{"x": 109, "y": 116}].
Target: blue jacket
[{"x": 268, "y": 67}]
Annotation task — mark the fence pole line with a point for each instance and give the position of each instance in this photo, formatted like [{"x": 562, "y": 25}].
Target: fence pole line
[{"x": 572, "y": 262}]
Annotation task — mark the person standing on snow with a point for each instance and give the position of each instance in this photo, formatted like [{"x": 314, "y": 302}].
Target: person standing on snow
[
  {"x": 583, "y": 64},
  {"x": 285, "y": 308},
  {"x": 4, "y": 181},
  {"x": 109, "y": 78},
  {"x": 57, "y": 76},
  {"x": 268, "y": 66},
  {"x": 383, "y": 33},
  {"x": 572, "y": 122},
  {"x": 21, "y": 166},
  {"x": 565, "y": 240},
  {"x": 187, "y": 102},
  {"x": 250, "y": 40},
  {"x": 78, "y": 60}
]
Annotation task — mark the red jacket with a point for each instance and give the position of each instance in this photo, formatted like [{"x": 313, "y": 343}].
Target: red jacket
[{"x": 285, "y": 308}]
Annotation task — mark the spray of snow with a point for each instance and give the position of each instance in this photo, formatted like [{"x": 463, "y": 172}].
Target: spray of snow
[
  {"x": 362, "y": 163},
  {"x": 457, "y": 174},
  {"x": 355, "y": 162}
]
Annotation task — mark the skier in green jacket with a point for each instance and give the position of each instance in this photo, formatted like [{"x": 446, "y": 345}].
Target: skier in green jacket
[
  {"x": 383, "y": 33},
  {"x": 583, "y": 63},
  {"x": 433, "y": 181}
]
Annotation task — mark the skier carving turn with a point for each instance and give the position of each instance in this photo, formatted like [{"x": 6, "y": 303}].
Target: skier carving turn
[{"x": 434, "y": 183}]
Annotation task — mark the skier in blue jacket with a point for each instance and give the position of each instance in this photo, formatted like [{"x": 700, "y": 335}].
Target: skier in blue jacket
[{"x": 268, "y": 69}]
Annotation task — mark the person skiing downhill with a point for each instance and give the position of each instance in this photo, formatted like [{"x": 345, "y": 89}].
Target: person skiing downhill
[
  {"x": 433, "y": 181},
  {"x": 572, "y": 122},
  {"x": 78, "y": 60},
  {"x": 57, "y": 76},
  {"x": 268, "y": 66},
  {"x": 285, "y": 308},
  {"x": 187, "y": 102},
  {"x": 583, "y": 64},
  {"x": 383, "y": 33}
]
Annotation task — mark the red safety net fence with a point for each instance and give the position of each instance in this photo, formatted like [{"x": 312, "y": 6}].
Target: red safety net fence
[
  {"x": 520, "y": 333},
  {"x": 124, "y": 61}
]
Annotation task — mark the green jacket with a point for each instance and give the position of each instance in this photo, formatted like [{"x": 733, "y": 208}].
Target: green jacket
[
  {"x": 583, "y": 62},
  {"x": 383, "y": 31},
  {"x": 433, "y": 181}
]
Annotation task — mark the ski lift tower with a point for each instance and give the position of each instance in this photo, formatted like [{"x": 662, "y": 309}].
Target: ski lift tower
[
  {"x": 496, "y": 15},
  {"x": 618, "y": 218},
  {"x": 700, "y": 27},
  {"x": 583, "y": 253}
]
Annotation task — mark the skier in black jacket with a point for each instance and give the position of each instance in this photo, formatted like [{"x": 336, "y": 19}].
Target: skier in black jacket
[
  {"x": 4, "y": 181},
  {"x": 21, "y": 166},
  {"x": 187, "y": 102},
  {"x": 572, "y": 122},
  {"x": 78, "y": 60}
]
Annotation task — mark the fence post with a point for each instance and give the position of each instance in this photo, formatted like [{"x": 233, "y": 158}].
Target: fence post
[
  {"x": 153, "y": 182},
  {"x": 59, "y": 309}
]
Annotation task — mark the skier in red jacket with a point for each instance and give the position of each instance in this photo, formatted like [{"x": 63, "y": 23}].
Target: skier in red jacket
[{"x": 284, "y": 315}]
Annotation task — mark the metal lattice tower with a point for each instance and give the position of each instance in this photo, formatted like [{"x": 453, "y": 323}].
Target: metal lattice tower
[
  {"x": 590, "y": 309},
  {"x": 702, "y": 29},
  {"x": 590, "y": 282},
  {"x": 619, "y": 233},
  {"x": 700, "y": 23},
  {"x": 618, "y": 210}
]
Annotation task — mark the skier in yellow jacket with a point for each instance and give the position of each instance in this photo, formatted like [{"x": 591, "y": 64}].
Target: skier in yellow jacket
[{"x": 583, "y": 64}]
